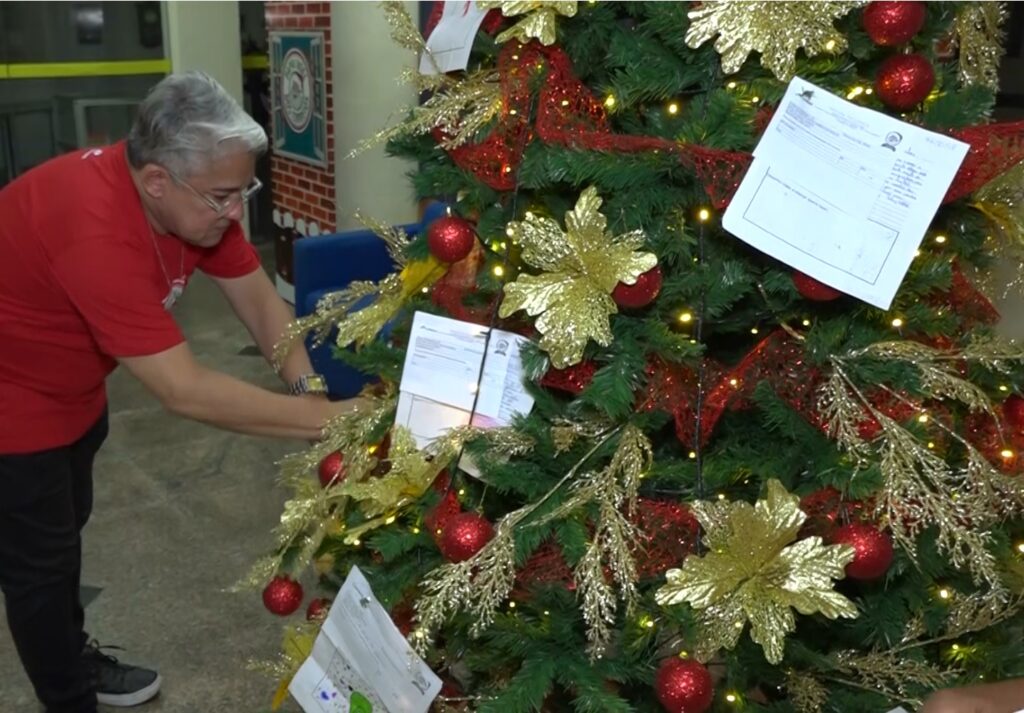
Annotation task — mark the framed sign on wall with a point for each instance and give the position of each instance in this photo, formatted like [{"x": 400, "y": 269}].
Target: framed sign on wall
[{"x": 299, "y": 96}]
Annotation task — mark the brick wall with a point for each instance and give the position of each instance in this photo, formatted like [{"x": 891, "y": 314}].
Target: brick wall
[{"x": 303, "y": 194}]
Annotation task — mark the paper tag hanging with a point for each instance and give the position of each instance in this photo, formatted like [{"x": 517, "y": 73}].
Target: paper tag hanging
[
  {"x": 450, "y": 43},
  {"x": 842, "y": 193}
]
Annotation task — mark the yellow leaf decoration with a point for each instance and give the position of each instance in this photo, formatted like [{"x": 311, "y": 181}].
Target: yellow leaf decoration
[
  {"x": 539, "y": 22},
  {"x": 775, "y": 29},
  {"x": 754, "y": 572},
  {"x": 580, "y": 268}
]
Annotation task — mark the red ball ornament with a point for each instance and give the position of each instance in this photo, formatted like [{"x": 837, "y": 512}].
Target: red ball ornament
[
  {"x": 318, "y": 608},
  {"x": 893, "y": 23},
  {"x": 641, "y": 293},
  {"x": 814, "y": 290},
  {"x": 1013, "y": 412},
  {"x": 450, "y": 238},
  {"x": 282, "y": 596},
  {"x": 904, "y": 80},
  {"x": 872, "y": 550},
  {"x": 683, "y": 686},
  {"x": 332, "y": 469},
  {"x": 464, "y": 536}
]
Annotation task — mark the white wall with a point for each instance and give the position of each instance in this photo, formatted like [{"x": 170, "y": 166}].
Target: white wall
[
  {"x": 205, "y": 36},
  {"x": 367, "y": 96}
]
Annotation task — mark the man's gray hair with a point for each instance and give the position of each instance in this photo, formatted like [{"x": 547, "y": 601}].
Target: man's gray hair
[{"x": 186, "y": 121}]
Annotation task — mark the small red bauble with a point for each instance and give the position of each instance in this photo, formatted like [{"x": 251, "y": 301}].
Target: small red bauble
[
  {"x": 282, "y": 596},
  {"x": 318, "y": 608},
  {"x": 684, "y": 686},
  {"x": 893, "y": 23},
  {"x": 814, "y": 290},
  {"x": 1013, "y": 412},
  {"x": 450, "y": 238},
  {"x": 641, "y": 293},
  {"x": 904, "y": 80},
  {"x": 332, "y": 469},
  {"x": 872, "y": 550},
  {"x": 464, "y": 536}
]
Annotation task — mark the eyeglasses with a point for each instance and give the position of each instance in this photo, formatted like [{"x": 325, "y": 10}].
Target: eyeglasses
[{"x": 220, "y": 207}]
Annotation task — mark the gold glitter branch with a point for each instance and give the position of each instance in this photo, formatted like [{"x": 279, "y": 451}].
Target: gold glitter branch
[
  {"x": 757, "y": 571},
  {"x": 480, "y": 584},
  {"x": 581, "y": 266},
  {"x": 459, "y": 109},
  {"x": 980, "y": 36},
  {"x": 775, "y": 29}
]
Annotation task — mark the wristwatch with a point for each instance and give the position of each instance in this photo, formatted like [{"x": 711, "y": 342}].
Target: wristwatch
[{"x": 308, "y": 384}]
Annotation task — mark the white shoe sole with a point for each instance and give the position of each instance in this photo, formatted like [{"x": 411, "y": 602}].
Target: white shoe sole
[{"x": 135, "y": 698}]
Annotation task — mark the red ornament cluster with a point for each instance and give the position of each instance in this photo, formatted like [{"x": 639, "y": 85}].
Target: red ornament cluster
[
  {"x": 889, "y": 24},
  {"x": 464, "y": 535},
  {"x": 282, "y": 596},
  {"x": 814, "y": 290},
  {"x": 641, "y": 293},
  {"x": 904, "y": 80},
  {"x": 451, "y": 238},
  {"x": 872, "y": 547},
  {"x": 318, "y": 608},
  {"x": 683, "y": 686},
  {"x": 332, "y": 469}
]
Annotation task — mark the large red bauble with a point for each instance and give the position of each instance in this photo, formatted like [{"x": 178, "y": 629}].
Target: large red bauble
[
  {"x": 904, "y": 80},
  {"x": 1013, "y": 412},
  {"x": 282, "y": 596},
  {"x": 464, "y": 536},
  {"x": 641, "y": 293},
  {"x": 683, "y": 686},
  {"x": 450, "y": 238},
  {"x": 872, "y": 550},
  {"x": 332, "y": 469},
  {"x": 893, "y": 23},
  {"x": 814, "y": 290}
]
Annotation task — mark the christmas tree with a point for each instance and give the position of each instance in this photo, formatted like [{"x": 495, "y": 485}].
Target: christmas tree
[{"x": 738, "y": 487}]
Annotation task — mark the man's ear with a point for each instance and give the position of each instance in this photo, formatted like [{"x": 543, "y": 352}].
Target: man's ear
[{"x": 154, "y": 180}]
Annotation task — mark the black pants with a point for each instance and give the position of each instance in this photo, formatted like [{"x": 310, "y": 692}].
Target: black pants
[{"x": 45, "y": 501}]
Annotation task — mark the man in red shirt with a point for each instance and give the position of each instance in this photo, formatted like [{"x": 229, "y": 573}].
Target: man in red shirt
[{"x": 97, "y": 245}]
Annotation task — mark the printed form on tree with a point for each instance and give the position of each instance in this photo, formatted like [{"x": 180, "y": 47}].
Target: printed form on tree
[
  {"x": 842, "y": 193},
  {"x": 361, "y": 663},
  {"x": 442, "y": 374}
]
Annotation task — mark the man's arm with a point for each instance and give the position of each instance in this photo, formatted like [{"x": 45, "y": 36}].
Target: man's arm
[
  {"x": 1002, "y": 697},
  {"x": 187, "y": 388},
  {"x": 266, "y": 316}
]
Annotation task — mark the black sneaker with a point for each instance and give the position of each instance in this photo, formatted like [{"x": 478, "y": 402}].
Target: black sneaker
[{"x": 118, "y": 684}]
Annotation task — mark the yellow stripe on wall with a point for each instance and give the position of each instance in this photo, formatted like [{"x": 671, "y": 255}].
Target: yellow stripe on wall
[
  {"x": 255, "y": 61},
  {"x": 55, "y": 70}
]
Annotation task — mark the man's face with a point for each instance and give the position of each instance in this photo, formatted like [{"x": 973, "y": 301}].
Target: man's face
[{"x": 193, "y": 203}]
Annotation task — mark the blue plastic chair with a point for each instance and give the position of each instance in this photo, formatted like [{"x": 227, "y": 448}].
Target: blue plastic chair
[{"x": 328, "y": 263}]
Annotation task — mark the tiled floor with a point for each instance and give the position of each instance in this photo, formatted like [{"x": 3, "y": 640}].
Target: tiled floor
[{"x": 181, "y": 511}]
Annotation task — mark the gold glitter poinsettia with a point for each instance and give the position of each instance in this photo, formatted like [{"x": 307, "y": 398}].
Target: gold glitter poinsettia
[
  {"x": 580, "y": 268},
  {"x": 756, "y": 570},
  {"x": 775, "y": 29},
  {"x": 539, "y": 22}
]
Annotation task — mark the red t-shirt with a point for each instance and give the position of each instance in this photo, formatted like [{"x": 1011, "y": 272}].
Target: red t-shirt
[{"x": 81, "y": 284}]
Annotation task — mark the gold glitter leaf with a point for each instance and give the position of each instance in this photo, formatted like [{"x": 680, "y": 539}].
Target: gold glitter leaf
[
  {"x": 540, "y": 20},
  {"x": 755, "y": 572},
  {"x": 806, "y": 693},
  {"x": 581, "y": 269},
  {"x": 775, "y": 29}
]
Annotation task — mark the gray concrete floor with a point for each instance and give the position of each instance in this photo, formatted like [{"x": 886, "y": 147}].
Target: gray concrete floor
[{"x": 181, "y": 511}]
